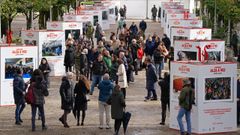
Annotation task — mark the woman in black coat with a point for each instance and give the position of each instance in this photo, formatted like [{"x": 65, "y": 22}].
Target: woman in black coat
[
  {"x": 80, "y": 91},
  {"x": 67, "y": 97},
  {"x": 69, "y": 58},
  {"x": 117, "y": 108},
  {"x": 45, "y": 68}
]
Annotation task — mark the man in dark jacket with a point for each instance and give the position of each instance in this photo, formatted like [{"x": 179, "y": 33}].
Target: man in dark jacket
[
  {"x": 19, "y": 90},
  {"x": 158, "y": 61},
  {"x": 84, "y": 62},
  {"x": 105, "y": 91},
  {"x": 143, "y": 26},
  {"x": 154, "y": 13},
  {"x": 150, "y": 46},
  {"x": 166, "y": 41},
  {"x": 165, "y": 95},
  {"x": 117, "y": 108},
  {"x": 133, "y": 30},
  {"x": 151, "y": 79},
  {"x": 133, "y": 49},
  {"x": 67, "y": 97},
  {"x": 69, "y": 58},
  {"x": 98, "y": 32},
  {"x": 99, "y": 69}
]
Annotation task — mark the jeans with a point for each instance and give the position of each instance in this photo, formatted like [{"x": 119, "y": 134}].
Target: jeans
[
  {"x": 150, "y": 92},
  {"x": 104, "y": 107},
  {"x": 18, "y": 111},
  {"x": 181, "y": 112},
  {"x": 95, "y": 80},
  {"x": 159, "y": 68},
  {"x": 34, "y": 111}
]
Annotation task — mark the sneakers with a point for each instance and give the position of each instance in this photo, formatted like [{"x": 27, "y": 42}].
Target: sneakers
[
  {"x": 18, "y": 123},
  {"x": 20, "y": 120},
  {"x": 100, "y": 127},
  {"x": 108, "y": 127},
  {"x": 82, "y": 124},
  {"x": 44, "y": 128},
  {"x": 154, "y": 99},
  {"x": 162, "y": 123}
]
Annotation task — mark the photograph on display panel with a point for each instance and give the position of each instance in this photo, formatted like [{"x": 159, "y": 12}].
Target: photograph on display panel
[
  {"x": 13, "y": 64},
  {"x": 104, "y": 15},
  {"x": 178, "y": 85},
  {"x": 218, "y": 89},
  {"x": 52, "y": 48},
  {"x": 186, "y": 55},
  {"x": 111, "y": 11},
  {"x": 30, "y": 42},
  {"x": 95, "y": 19},
  {"x": 74, "y": 33},
  {"x": 214, "y": 55},
  {"x": 179, "y": 38}
]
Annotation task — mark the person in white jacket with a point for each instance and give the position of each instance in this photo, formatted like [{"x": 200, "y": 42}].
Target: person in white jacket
[{"x": 122, "y": 77}]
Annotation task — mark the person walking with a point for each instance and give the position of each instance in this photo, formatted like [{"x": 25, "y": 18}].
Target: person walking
[
  {"x": 165, "y": 95},
  {"x": 98, "y": 32},
  {"x": 99, "y": 68},
  {"x": 133, "y": 47},
  {"x": 89, "y": 32},
  {"x": 122, "y": 77},
  {"x": 69, "y": 58},
  {"x": 19, "y": 91},
  {"x": 39, "y": 91},
  {"x": 105, "y": 90},
  {"x": 159, "y": 14},
  {"x": 167, "y": 42},
  {"x": 117, "y": 108},
  {"x": 158, "y": 57},
  {"x": 45, "y": 69},
  {"x": 154, "y": 13},
  {"x": 133, "y": 31},
  {"x": 84, "y": 62},
  {"x": 151, "y": 79},
  {"x": 67, "y": 97},
  {"x": 186, "y": 99},
  {"x": 81, "y": 89},
  {"x": 143, "y": 26}
]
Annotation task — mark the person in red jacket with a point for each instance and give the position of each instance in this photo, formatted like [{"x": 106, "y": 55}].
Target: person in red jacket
[{"x": 140, "y": 54}]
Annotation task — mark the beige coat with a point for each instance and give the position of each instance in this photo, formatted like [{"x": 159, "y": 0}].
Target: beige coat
[{"x": 122, "y": 76}]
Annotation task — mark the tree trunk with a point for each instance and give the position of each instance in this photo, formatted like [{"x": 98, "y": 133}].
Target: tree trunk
[{"x": 229, "y": 32}]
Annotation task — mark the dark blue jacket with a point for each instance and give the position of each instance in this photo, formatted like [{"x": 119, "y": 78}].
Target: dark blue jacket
[
  {"x": 150, "y": 47},
  {"x": 105, "y": 90},
  {"x": 143, "y": 25},
  {"x": 19, "y": 87},
  {"x": 151, "y": 77},
  {"x": 133, "y": 29}
]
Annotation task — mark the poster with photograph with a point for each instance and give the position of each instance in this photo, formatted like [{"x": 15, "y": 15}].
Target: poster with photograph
[
  {"x": 186, "y": 56},
  {"x": 104, "y": 15},
  {"x": 111, "y": 11},
  {"x": 214, "y": 55},
  {"x": 218, "y": 89},
  {"x": 13, "y": 64},
  {"x": 95, "y": 19},
  {"x": 30, "y": 42},
  {"x": 74, "y": 33},
  {"x": 178, "y": 85},
  {"x": 52, "y": 48}
]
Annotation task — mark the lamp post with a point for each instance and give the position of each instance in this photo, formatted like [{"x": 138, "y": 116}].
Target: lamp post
[
  {"x": 51, "y": 13},
  {"x": 215, "y": 18},
  {"x": 146, "y": 9}
]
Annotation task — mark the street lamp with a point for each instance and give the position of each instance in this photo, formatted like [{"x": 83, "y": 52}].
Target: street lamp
[{"x": 215, "y": 18}]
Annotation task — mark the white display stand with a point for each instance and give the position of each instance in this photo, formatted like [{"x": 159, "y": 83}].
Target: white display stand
[
  {"x": 96, "y": 16},
  {"x": 190, "y": 33},
  {"x": 51, "y": 45},
  {"x": 13, "y": 57},
  {"x": 178, "y": 16},
  {"x": 171, "y": 11},
  {"x": 194, "y": 50},
  {"x": 111, "y": 9},
  {"x": 182, "y": 23},
  {"x": 82, "y": 17},
  {"x": 75, "y": 28},
  {"x": 215, "y": 92},
  {"x": 105, "y": 17}
]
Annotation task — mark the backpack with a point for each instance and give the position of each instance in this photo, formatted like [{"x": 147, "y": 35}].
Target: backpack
[{"x": 29, "y": 97}]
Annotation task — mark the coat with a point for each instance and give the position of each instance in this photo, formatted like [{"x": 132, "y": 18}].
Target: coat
[
  {"x": 39, "y": 91},
  {"x": 151, "y": 77},
  {"x": 69, "y": 58},
  {"x": 105, "y": 90},
  {"x": 122, "y": 76},
  {"x": 99, "y": 68},
  {"x": 117, "y": 105},
  {"x": 167, "y": 42},
  {"x": 67, "y": 94},
  {"x": 185, "y": 98},
  {"x": 80, "y": 92},
  {"x": 165, "y": 89},
  {"x": 19, "y": 87},
  {"x": 143, "y": 25}
]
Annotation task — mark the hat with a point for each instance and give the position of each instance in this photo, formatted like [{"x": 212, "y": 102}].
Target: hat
[{"x": 186, "y": 82}]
